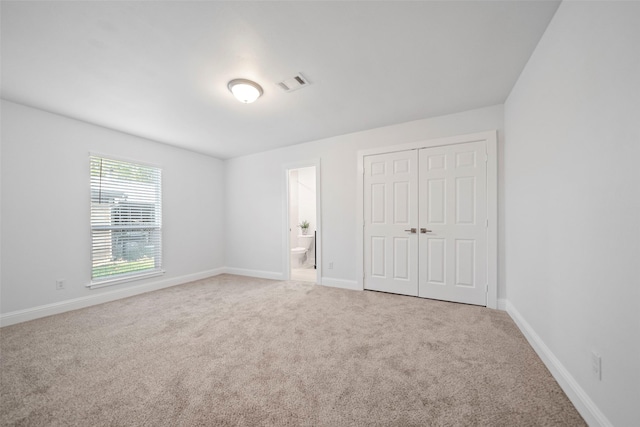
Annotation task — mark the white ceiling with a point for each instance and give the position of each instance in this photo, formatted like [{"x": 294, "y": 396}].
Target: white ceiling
[{"x": 160, "y": 69}]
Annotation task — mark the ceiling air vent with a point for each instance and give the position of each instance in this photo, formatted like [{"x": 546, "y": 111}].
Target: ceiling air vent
[{"x": 294, "y": 83}]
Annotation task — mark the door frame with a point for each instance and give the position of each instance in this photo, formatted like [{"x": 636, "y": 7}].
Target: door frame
[
  {"x": 286, "y": 265},
  {"x": 491, "y": 139}
]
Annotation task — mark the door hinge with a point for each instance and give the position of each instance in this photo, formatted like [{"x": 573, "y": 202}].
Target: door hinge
[
  {"x": 487, "y": 223},
  {"x": 486, "y": 157}
]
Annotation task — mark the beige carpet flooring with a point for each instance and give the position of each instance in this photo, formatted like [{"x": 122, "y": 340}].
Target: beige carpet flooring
[{"x": 232, "y": 350}]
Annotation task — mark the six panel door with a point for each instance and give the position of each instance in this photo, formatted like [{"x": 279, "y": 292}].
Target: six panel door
[
  {"x": 390, "y": 211},
  {"x": 453, "y": 218},
  {"x": 440, "y": 192}
]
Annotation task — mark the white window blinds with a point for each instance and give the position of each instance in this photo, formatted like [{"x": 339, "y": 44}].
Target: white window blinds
[{"x": 126, "y": 220}]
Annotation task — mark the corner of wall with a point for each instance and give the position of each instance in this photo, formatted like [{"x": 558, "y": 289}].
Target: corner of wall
[{"x": 576, "y": 394}]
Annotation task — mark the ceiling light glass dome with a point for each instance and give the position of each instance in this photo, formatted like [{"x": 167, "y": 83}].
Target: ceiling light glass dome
[{"x": 245, "y": 90}]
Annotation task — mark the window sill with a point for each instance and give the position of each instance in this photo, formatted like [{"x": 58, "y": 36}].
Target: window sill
[{"x": 116, "y": 281}]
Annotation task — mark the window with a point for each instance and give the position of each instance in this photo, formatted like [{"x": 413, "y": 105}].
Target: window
[{"x": 126, "y": 221}]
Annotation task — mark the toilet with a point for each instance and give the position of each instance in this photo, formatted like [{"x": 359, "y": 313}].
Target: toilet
[
  {"x": 298, "y": 257},
  {"x": 299, "y": 253}
]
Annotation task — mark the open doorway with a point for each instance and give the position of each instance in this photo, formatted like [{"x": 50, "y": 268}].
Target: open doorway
[{"x": 303, "y": 224}]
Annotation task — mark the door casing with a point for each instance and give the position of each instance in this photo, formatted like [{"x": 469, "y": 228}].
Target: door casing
[
  {"x": 286, "y": 256},
  {"x": 490, "y": 137}
]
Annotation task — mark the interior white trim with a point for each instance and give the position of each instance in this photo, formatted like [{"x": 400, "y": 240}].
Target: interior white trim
[
  {"x": 20, "y": 316},
  {"x": 341, "y": 283},
  {"x": 286, "y": 256},
  {"x": 492, "y": 215},
  {"x": 124, "y": 159},
  {"x": 492, "y": 200},
  {"x": 129, "y": 278},
  {"x": 272, "y": 275},
  {"x": 576, "y": 394}
]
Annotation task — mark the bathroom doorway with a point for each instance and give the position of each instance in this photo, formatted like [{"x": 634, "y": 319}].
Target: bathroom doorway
[{"x": 303, "y": 223}]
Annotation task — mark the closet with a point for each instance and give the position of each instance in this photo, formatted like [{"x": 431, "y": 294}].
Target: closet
[{"x": 426, "y": 222}]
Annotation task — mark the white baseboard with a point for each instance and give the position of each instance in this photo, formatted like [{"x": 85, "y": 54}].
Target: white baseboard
[
  {"x": 274, "y": 275},
  {"x": 502, "y": 304},
  {"x": 341, "y": 283},
  {"x": 576, "y": 394},
  {"x": 24, "y": 315}
]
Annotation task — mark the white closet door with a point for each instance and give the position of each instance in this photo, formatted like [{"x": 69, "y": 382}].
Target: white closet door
[
  {"x": 453, "y": 223},
  {"x": 390, "y": 212}
]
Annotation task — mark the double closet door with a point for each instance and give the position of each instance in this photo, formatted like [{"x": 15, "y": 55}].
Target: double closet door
[{"x": 425, "y": 223}]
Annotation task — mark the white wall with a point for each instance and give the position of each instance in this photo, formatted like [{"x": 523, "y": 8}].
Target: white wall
[
  {"x": 255, "y": 191},
  {"x": 572, "y": 129},
  {"x": 307, "y": 197},
  {"x": 45, "y": 206},
  {"x": 294, "y": 210}
]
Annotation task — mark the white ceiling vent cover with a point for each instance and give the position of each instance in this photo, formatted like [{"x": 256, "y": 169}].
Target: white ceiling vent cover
[{"x": 294, "y": 83}]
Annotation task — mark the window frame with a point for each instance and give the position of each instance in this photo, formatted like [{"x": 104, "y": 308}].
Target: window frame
[{"x": 113, "y": 279}]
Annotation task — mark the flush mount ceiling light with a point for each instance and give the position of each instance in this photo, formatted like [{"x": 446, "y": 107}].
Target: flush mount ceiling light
[{"x": 245, "y": 90}]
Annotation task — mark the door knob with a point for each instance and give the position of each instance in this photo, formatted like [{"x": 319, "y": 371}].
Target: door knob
[
  {"x": 424, "y": 230},
  {"x": 412, "y": 230}
]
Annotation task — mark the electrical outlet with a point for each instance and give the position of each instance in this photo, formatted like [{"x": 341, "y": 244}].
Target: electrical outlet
[
  {"x": 59, "y": 284},
  {"x": 331, "y": 265},
  {"x": 596, "y": 365}
]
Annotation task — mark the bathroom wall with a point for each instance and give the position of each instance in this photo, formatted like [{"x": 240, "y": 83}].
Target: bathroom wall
[
  {"x": 307, "y": 208},
  {"x": 294, "y": 212},
  {"x": 307, "y": 197}
]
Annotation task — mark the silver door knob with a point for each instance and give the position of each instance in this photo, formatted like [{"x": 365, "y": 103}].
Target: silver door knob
[
  {"x": 424, "y": 230},
  {"x": 412, "y": 230}
]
